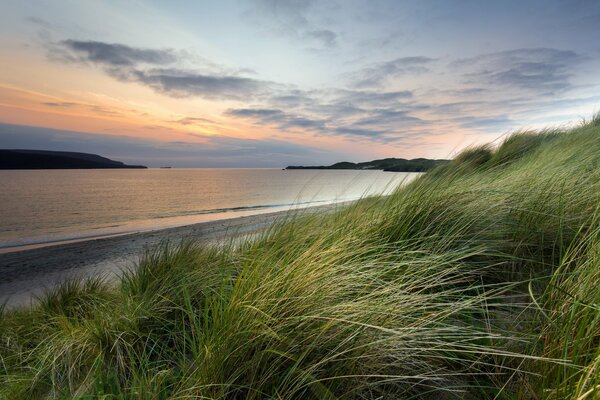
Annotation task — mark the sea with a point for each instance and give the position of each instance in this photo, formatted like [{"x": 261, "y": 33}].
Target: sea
[{"x": 43, "y": 207}]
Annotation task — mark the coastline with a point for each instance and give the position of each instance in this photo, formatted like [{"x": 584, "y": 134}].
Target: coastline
[
  {"x": 149, "y": 225},
  {"x": 27, "y": 273}
]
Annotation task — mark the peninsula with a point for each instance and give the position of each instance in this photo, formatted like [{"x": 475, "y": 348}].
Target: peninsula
[
  {"x": 386, "y": 164},
  {"x": 43, "y": 159}
]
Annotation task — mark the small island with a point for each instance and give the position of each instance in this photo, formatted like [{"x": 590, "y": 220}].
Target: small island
[
  {"x": 43, "y": 159},
  {"x": 386, "y": 164}
]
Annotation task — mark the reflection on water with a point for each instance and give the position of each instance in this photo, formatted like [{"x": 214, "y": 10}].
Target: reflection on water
[{"x": 49, "y": 205}]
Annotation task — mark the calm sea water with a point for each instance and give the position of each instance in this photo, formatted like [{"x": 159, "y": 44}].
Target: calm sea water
[{"x": 46, "y": 206}]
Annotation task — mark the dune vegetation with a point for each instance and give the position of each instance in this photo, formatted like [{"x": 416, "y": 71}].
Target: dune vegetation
[{"x": 478, "y": 280}]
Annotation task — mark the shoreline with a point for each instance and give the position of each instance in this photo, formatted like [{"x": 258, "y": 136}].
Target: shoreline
[
  {"x": 27, "y": 273},
  {"x": 155, "y": 224}
]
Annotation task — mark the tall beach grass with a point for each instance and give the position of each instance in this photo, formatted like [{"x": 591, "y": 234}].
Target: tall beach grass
[{"x": 478, "y": 280}]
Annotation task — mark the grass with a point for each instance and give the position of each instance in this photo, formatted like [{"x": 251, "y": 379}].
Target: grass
[{"x": 479, "y": 280}]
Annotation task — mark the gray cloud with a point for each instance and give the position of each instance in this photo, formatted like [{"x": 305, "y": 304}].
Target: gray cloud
[
  {"x": 278, "y": 118},
  {"x": 538, "y": 69},
  {"x": 391, "y": 118},
  {"x": 488, "y": 123},
  {"x": 326, "y": 37},
  {"x": 259, "y": 113},
  {"x": 63, "y": 104},
  {"x": 294, "y": 19},
  {"x": 341, "y": 103},
  {"x": 380, "y": 125},
  {"x": 288, "y": 12},
  {"x": 194, "y": 121},
  {"x": 371, "y": 98},
  {"x": 152, "y": 68},
  {"x": 359, "y": 114},
  {"x": 328, "y": 111},
  {"x": 82, "y": 106},
  {"x": 461, "y": 92},
  {"x": 291, "y": 99},
  {"x": 378, "y": 74},
  {"x": 225, "y": 146},
  {"x": 355, "y": 114},
  {"x": 460, "y": 107},
  {"x": 115, "y": 55},
  {"x": 361, "y": 132},
  {"x": 40, "y": 22},
  {"x": 181, "y": 83}
]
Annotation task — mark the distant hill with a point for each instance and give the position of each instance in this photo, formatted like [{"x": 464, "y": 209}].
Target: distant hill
[
  {"x": 386, "y": 164},
  {"x": 42, "y": 159}
]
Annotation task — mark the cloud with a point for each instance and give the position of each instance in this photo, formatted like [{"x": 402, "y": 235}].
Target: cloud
[
  {"x": 288, "y": 12},
  {"x": 115, "y": 55},
  {"x": 181, "y": 83},
  {"x": 326, "y": 37},
  {"x": 489, "y": 124},
  {"x": 40, "y": 22},
  {"x": 154, "y": 68},
  {"x": 475, "y": 91},
  {"x": 539, "y": 69},
  {"x": 372, "y": 98},
  {"x": 366, "y": 113},
  {"x": 214, "y": 151},
  {"x": 225, "y": 145},
  {"x": 360, "y": 132},
  {"x": 324, "y": 111},
  {"x": 391, "y": 118},
  {"x": 295, "y": 19},
  {"x": 356, "y": 114},
  {"x": 380, "y": 125},
  {"x": 193, "y": 121},
  {"x": 339, "y": 103},
  {"x": 94, "y": 108},
  {"x": 278, "y": 118},
  {"x": 261, "y": 113},
  {"x": 291, "y": 98},
  {"x": 60, "y": 104},
  {"x": 460, "y": 107},
  {"x": 378, "y": 74}
]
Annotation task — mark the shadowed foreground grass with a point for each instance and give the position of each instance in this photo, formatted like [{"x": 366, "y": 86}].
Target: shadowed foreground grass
[{"x": 478, "y": 280}]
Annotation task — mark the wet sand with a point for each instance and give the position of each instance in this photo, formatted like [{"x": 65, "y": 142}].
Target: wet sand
[{"x": 28, "y": 273}]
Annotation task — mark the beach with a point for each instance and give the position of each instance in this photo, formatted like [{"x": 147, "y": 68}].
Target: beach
[{"x": 28, "y": 273}]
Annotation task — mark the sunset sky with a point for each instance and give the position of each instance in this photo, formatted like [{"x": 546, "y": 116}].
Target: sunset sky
[{"x": 269, "y": 83}]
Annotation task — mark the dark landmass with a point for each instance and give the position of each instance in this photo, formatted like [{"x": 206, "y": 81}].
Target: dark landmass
[
  {"x": 42, "y": 159},
  {"x": 386, "y": 164}
]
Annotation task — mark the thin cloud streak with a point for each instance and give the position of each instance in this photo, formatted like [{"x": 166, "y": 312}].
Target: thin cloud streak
[{"x": 114, "y": 54}]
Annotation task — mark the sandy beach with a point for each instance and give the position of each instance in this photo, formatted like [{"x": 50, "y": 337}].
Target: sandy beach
[{"x": 28, "y": 273}]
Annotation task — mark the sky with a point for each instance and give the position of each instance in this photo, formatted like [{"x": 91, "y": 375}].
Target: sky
[{"x": 267, "y": 83}]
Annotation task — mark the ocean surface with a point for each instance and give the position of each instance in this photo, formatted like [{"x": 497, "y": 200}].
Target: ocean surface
[{"x": 47, "y": 206}]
